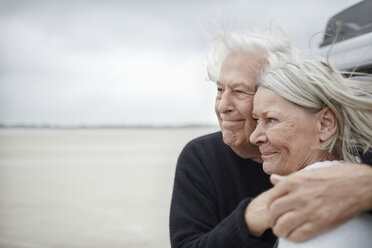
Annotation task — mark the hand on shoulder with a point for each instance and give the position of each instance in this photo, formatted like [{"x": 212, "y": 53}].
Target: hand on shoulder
[{"x": 308, "y": 202}]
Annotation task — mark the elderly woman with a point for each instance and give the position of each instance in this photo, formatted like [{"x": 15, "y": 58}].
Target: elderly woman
[{"x": 308, "y": 115}]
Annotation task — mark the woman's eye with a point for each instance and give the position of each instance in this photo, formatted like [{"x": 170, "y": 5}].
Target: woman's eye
[
  {"x": 271, "y": 120},
  {"x": 255, "y": 120}
]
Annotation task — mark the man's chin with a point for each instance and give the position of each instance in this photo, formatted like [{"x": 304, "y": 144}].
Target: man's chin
[{"x": 230, "y": 139}]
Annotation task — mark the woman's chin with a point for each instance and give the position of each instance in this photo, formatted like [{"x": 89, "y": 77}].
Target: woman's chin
[{"x": 270, "y": 168}]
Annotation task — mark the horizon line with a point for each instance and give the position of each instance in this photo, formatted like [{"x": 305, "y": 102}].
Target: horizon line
[{"x": 104, "y": 126}]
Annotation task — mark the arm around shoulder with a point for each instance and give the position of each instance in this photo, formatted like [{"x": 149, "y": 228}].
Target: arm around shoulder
[{"x": 195, "y": 217}]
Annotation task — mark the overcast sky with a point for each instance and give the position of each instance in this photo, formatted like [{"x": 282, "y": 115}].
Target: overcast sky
[{"x": 129, "y": 62}]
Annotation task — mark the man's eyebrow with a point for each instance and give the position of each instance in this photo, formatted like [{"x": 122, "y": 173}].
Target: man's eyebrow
[
  {"x": 249, "y": 88},
  {"x": 238, "y": 84}
]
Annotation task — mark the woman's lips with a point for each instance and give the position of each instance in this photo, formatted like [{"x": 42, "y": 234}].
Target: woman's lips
[{"x": 267, "y": 155}]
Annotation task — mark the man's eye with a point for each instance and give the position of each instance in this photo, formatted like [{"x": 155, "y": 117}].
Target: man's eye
[
  {"x": 243, "y": 94},
  {"x": 239, "y": 92},
  {"x": 219, "y": 89}
]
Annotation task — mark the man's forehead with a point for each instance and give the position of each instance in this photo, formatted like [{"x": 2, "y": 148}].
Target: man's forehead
[
  {"x": 236, "y": 79},
  {"x": 241, "y": 69}
]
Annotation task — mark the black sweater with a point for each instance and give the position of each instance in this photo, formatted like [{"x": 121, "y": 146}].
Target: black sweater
[{"x": 212, "y": 188}]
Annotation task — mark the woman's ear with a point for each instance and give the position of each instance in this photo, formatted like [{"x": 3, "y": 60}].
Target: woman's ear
[{"x": 328, "y": 124}]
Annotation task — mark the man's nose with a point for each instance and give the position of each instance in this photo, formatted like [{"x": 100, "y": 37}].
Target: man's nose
[
  {"x": 225, "y": 103},
  {"x": 258, "y": 136}
]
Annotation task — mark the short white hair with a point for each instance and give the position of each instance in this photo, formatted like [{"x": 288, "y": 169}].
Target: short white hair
[
  {"x": 274, "y": 47},
  {"x": 314, "y": 84}
]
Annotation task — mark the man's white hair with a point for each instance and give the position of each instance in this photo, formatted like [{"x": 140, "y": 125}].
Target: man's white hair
[{"x": 274, "y": 47}]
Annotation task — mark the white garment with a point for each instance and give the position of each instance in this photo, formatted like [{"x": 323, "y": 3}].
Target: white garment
[{"x": 356, "y": 233}]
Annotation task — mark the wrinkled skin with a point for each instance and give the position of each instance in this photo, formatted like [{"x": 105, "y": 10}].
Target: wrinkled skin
[
  {"x": 234, "y": 102},
  {"x": 349, "y": 189},
  {"x": 306, "y": 203},
  {"x": 288, "y": 136}
]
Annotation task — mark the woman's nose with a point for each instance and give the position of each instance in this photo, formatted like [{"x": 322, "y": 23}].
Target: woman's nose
[{"x": 258, "y": 136}]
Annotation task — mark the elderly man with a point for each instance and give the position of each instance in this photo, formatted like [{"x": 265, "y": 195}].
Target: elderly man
[{"x": 219, "y": 174}]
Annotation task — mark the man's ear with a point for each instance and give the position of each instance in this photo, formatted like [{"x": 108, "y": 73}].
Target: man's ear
[{"x": 328, "y": 124}]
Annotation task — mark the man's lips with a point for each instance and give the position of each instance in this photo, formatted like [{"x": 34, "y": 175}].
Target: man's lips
[{"x": 231, "y": 123}]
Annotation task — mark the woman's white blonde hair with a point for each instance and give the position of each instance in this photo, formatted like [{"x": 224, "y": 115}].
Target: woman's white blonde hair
[{"x": 314, "y": 84}]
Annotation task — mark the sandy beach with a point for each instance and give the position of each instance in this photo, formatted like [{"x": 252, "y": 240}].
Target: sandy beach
[{"x": 76, "y": 188}]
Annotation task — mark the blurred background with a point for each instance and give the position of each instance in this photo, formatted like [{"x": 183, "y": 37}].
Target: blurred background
[{"x": 97, "y": 99}]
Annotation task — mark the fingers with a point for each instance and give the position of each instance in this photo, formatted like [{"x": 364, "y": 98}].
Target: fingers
[
  {"x": 278, "y": 190},
  {"x": 303, "y": 232},
  {"x": 256, "y": 214},
  {"x": 286, "y": 224},
  {"x": 281, "y": 212},
  {"x": 305, "y": 203},
  {"x": 286, "y": 209},
  {"x": 289, "y": 209}
]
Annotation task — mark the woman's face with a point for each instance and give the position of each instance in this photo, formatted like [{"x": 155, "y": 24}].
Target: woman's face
[{"x": 287, "y": 134}]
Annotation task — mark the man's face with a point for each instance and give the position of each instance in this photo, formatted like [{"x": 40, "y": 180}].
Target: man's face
[{"x": 234, "y": 101}]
